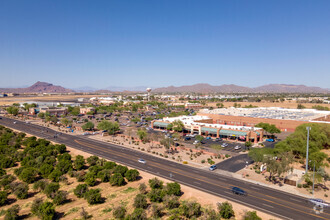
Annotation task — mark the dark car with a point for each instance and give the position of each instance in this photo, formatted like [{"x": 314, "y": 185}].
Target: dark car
[
  {"x": 187, "y": 138},
  {"x": 218, "y": 139},
  {"x": 238, "y": 191}
]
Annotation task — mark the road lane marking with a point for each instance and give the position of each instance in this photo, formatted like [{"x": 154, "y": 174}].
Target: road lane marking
[
  {"x": 197, "y": 183},
  {"x": 295, "y": 200},
  {"x": 268, "y": 205}
]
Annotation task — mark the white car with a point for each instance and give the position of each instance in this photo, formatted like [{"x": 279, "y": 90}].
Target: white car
[
  {"x": 237, "y": 147},
  {"x": 142, "y": 161},
  {"x": 224, "y": 145},
  {"x": 196, "y": 142},
  {"x": 14, "y": 122}
]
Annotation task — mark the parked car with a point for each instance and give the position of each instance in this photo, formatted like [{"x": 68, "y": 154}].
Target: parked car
[
  {"x": 213, "y": 167},
  {"x": 187, "y": 138},
  {"x": 142, "y": 161},
  {"x": 238, "y": 191},
  {"x": 208, "y": 138},
  {"x": 270, "y": 140},
  {"x": 218, "y": 139},
  {"x": 237, "y": 147},
  {"x": 224, "y": 145},
  {"x": 196, "y": 142}
]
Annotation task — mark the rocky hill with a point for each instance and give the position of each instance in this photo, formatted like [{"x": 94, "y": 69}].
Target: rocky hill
[{"x": 38, "y": 87}]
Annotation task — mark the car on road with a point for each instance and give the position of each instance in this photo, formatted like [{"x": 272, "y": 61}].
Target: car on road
[
  {"x": 237, "y": 147},
  {"x": 14, "y": 122},
  {"x": 224, "y": 145},
  {"x": 270, "y": 140},
  {"x": 142, "y": 161},
  {"x": 213, "y": 167},
  {"x": 238, "y": 191}
]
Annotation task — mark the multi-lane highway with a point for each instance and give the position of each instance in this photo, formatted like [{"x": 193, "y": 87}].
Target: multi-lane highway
[{"x": 278, "y": 203}]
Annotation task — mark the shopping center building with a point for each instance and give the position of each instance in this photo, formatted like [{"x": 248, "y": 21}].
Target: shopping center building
[{"x": 203, "y": 125}]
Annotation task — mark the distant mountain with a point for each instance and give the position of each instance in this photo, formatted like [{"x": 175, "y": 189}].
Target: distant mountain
[
  {"x": 38, "y": 87},
  {"x": 271, "y": 88},
  {"x": 122, "y": 89},
  {"x": 285, "y": 88}
]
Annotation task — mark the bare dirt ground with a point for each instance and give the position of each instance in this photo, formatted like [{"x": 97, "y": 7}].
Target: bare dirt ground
[{"x": 285, "y": 104}]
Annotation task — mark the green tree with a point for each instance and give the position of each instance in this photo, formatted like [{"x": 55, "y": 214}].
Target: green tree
[
  {"x": 117, "y": 180},
  {"x": 47, "y": 211},
  {"x": 110, "y": 127},
  {"x": 45, "y": 170},
  {"x": 120, "y": 169},
  {"x": 93, "y": 196},
  {"x": 92, "y": 160},
  {"x": 80, "y": 190},
  {"x": 88, "y": 126},
  {"x": 248, "y": 144},
  {"x": 171, "y": 202},
  {"x": 79, "y": 163},
  {"x": 142, "y": 133},
  {"x": 41, "y": 115},
  {"x": 156, "y": 195},
  {"x": 60, "y": 197},
  {"x": 155, "y": 183},
  {"x": 12, "y": 110},
  {"x": 173, "y": 189},
  {"x": 21, "y": 190},
  {"x": 28, "y": 175},
  {"x": 132, "y": 175},
  {"x": 51, "y": 189},
  {"x": 191, "y": 209},
  {"x": 199, "y": 137},
  {"x": 65, "y": 121},
  {"x": 90, "y": 179},
  {"x": 177, "y": 125},
  {"x": 226, "y": 210},
  {"x": 55, "y": 175}
]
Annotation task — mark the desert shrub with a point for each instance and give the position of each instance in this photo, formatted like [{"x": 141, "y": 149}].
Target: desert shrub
[
  {"x": 171, "y": 202},
  {"x": 119, "y": 212},
  {"x": 40, "y": 185},
  {"x": 6, "y": 180},
  {"x": 90, "y": 179},
  {"x": 28, "y": 175},
  {"x": 251, "y": 215},
  {"x": 79, "y": 163},
  {"x": 64, "y": 165},
  {"x": 81, "y": 176},
  {"x": 46, "y": 211},
  {"x": 132, "y": 175},
  {"x": 21, "y": 190},
  {"x": 92, "y": 160},
  {"x": 140, "y": 201},
  {"x": 55, "y": 175},
  {"x": 104, "y": 175},
  {"x": 80, "y": 190},
  {"x": 117, "y": 180},
  {"x": 60, "y": 197},
  {"x": 226, "y": 210},
  {"x": 173, "y": 189},
  {"x": 156, "y": 195},
  {"x": 138, "y": 214},
  {"x": 65, "y": 156},
  {"x": 93, "y": 196},
  {"x": 155, "y": 183},
  {"x": 51, "y": 189},
  {"x": 45, "y": 170},
  {"x": 12, "y": 213},
  {"x": 3, "y": 197},
  {"x": 95, "y": 169},
  {"x": 156, "y": 211},
  {"x": 191, "y": 209},
  {"x": 143, "y": 188}
]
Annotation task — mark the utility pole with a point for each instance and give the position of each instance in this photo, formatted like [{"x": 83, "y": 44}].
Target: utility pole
[
  {"x": 313, "y": 177},
  {"x": 308, "y": 129}
]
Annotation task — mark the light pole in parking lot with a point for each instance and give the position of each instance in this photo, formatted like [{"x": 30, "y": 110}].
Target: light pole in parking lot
[{"x": 308, "y": 129}]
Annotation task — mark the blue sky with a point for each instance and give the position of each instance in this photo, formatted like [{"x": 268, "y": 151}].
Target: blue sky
[{"x": 156, "y": 43}]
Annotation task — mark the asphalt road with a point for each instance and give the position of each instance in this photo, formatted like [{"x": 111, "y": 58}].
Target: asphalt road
[{"x": 281, "y": 204}]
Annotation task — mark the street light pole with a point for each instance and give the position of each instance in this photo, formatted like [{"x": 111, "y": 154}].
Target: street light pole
[{"x": 308, "y": 129}]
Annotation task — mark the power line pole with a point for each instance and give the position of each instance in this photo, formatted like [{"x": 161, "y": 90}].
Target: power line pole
[
  {"x": 308, "y": 129},
  {"x": 313, "y": 177}
]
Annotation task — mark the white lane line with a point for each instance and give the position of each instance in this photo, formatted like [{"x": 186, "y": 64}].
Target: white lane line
[
  {"x": 295, "y": 200},
  {"x": 268, "y": 206}
]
